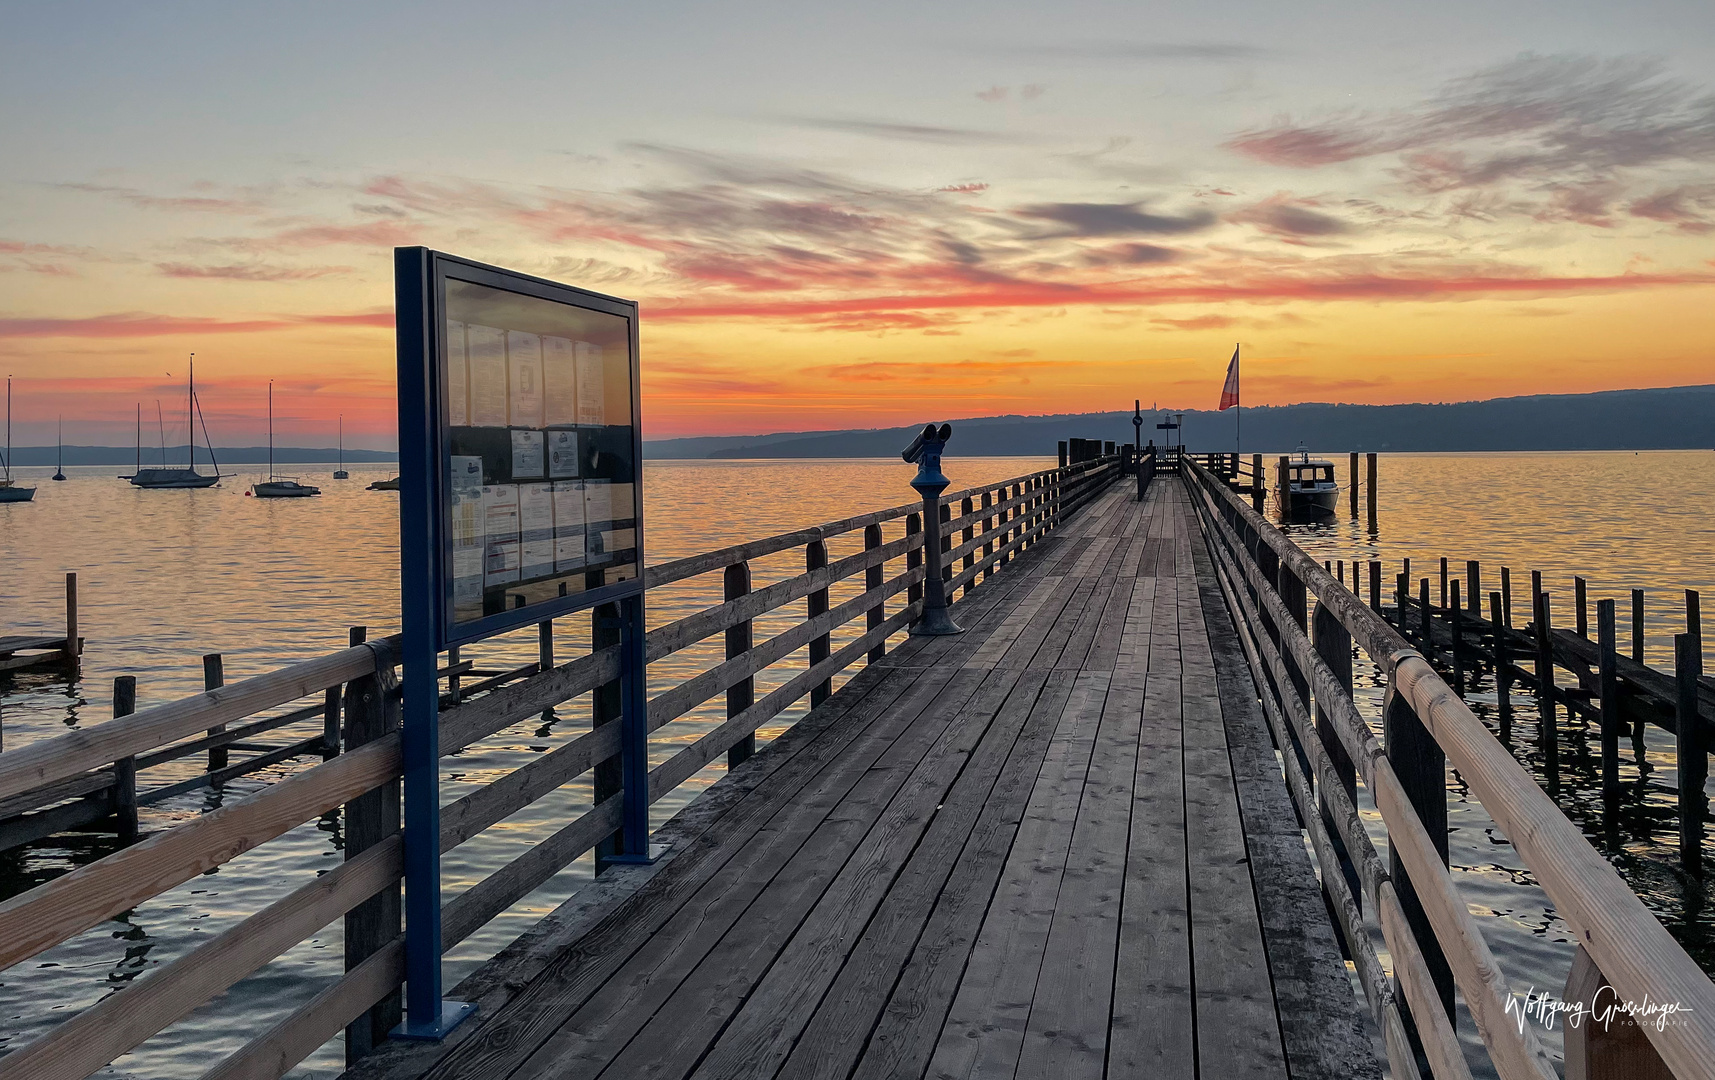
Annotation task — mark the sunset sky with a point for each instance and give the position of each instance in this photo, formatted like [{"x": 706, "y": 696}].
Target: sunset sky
[{"x": 864, "y": 215}]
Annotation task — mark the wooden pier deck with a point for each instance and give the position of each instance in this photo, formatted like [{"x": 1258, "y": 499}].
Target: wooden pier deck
[{"x": 1057, "y": 845}]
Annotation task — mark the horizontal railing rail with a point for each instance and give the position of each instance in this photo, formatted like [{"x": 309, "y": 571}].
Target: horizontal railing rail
[
  {"x": 983, "y": 529},
  {"x": 1301, "y": 662}
]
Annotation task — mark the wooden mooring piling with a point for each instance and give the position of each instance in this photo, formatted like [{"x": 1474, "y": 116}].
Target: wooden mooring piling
[{"x": 1059, "y": 842}]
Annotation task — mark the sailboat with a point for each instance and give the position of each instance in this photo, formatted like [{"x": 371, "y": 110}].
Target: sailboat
[
  {"x": 340, "y": 473},
  {"x": 60, "y": 470},
  {"x": 165, "y": 476},
  {"x": 9, "y": 491},
  {"x": 279, "y": 487}
]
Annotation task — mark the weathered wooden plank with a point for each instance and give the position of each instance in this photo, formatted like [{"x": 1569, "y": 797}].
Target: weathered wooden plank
[
  {"x": 673, "y": 1000},
  {"x": 985, "y": 1027},
  {"x": 927, "y": 823},
  {"x": 1067, "y": 1034},
  {"x": 1151, "y": 1031},
  {"x": 561, "y": 988}
]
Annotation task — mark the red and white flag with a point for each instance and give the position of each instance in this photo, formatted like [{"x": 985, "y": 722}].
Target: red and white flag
[{"x": 1230, "y": 392}]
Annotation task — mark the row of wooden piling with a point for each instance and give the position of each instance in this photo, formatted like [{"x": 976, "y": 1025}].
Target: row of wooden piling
[{"x": 1615, "y": 690}]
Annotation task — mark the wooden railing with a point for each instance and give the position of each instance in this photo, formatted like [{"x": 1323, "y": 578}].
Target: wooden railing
[
  {"x": 983, "y": 529},
  {"x": 1302, "y": 664}
]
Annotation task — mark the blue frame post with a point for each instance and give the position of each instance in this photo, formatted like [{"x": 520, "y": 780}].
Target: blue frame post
[
  {"x": 634, "y": 846},
  {"x": 427, "y": 1015}
]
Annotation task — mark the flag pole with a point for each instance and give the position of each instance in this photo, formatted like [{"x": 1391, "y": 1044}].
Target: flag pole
[{"x": 1239, "y": 418}]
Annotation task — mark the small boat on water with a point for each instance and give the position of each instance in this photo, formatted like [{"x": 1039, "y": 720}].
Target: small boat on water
[
  {"x": 279, "y": 487},
  {"x": 165, "y": 476},
  {"x": 1307, "y": 488},
  {"x": 340, "y": 473},
  {"x": 11, "y": 492},
  {"x": 385, "y": 485}
]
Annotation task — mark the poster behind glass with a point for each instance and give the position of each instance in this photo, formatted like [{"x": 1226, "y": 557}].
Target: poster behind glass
[{"x": 543, "y": 501}]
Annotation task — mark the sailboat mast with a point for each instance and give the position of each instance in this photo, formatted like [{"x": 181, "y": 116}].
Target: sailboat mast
[
  {"x": 139, "y": 436},
  {"x": 8, "y": 461},
  {"x": 341, "y": 442},
  {"x": 161, "y": 427},
  {"x": 190, "y": 409},
  {"x": 270, "y": 429}
]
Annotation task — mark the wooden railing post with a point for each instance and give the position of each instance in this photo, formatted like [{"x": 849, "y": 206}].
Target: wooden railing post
[
  {"x": 213, "y": 678},
  {"x": 1692, "y": 752},
  {"x": 946, "y": 510},
  {"x": 1334, "y": 647},
  {"x": 125, "y": 769},
  {"x": 816, "y": 558},
  {"x": 913, "y": 557},
  {"x": 742, "y": 694},
  {"x": 872, "y": 577},
  {"x": 372, "y": 710},
  {"x": 1609, "y": 1045},
  {"x": 966, "y": 509},
  {"x": 608, "y": 776},
  {"x": 1421, "y": 766},
  {"x": 988, "y": 545}
]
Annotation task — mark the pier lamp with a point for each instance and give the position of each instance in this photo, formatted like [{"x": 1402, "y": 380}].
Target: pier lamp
[{"x": 925, "y": 450}]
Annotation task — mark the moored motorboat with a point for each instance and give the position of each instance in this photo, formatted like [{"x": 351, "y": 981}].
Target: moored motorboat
[
  {"x": 385, "y": 485},
  {"x": 1305, "y": 486}
]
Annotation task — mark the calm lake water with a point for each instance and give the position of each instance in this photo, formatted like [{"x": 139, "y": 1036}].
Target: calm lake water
[{"x": 168, "y": 576}]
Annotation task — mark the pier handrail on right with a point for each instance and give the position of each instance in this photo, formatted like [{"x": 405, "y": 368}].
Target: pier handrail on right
[{"x": 1294, "y": 655}]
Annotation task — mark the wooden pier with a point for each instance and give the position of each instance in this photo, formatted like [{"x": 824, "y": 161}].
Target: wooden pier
[
  {"x": 20, "y": 651},
  {"x": 1054, "y": 845},
  {"x": 1069, "y": 841}
]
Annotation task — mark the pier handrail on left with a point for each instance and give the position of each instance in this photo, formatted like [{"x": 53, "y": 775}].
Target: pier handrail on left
[{"x": 982, "y": 528}]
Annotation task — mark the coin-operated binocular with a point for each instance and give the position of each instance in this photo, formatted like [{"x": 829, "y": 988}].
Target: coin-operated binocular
[{"x": 926, "y": 450}]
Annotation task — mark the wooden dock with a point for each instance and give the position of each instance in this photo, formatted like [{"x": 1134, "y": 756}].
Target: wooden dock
[
  {"x": 1068, "y": 842},
  {"x": 1056, "y": 845}
]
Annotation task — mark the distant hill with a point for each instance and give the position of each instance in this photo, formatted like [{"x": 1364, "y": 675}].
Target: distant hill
[
  {"x": 228, "y": 455},
  {"x": 1670, "y": 418}
]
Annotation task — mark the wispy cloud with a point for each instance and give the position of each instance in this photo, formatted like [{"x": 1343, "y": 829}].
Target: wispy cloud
[
  {"x": 204, "y": 204},
  {"x": 924, "y": 133},
  {"x": 250, "y": 272},
  {"x": 1114, "y": 219},
  {"x": 1198, "y": 51},
  {"x": 137, "y": 324}
]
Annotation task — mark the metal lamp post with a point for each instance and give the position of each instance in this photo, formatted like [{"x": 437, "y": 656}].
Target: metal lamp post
[
  {"x": 1137, "y": 444},
  {"x": 926, "y": 450}
]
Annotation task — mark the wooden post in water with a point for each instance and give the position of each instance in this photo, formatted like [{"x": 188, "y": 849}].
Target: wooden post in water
[
  {"x": 1426, "y": 621},
  {"x": 872, "y": 577},
  {"x": 1612, "y": 722},
  {"x": 1456, "y": 638},
  {"x": 1503, "y": 670},
  {"x": 1444, "y": 581},
  {"x": 816, "y": 605},
  {"x": 1421, "y": 766},
  {"x": 125, "y": 769},
  {"x": 1507, "y": 597},
  {"x": 735, "y": 582},
  {"x": 1376, "y": 586},
  {"x": 1547, "y": 736},
  {"x": 1582, "y": 615},
  {"x": 1692, "y": 752},
  {"x": 73, "y": 648},
  {"x": 1370, "y": 488},
  {"x": 1637, "y": 626},
  {"x": 1474, "y": 586},
  {"x": 1354, "y": 492},
  {"x": 372, "y": 709},
  {"x": 913, "y": 557},
  {"x": 213, "y": 678},
  {"x": 1258, "y": 488}
]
